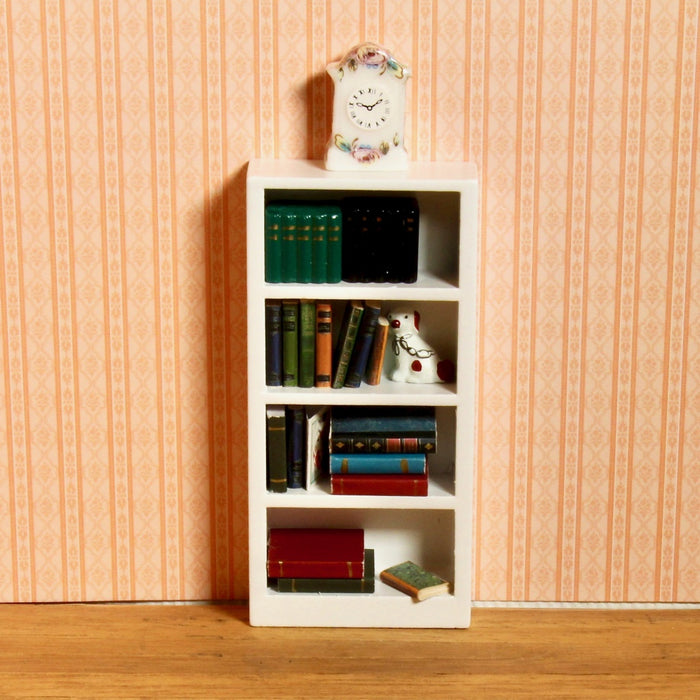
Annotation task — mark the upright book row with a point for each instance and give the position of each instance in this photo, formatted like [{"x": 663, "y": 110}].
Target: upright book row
[
  {"x": 360, "y": 239},
  {"x": 365, "y": 450},
  {"x": 301, "y": 351}
]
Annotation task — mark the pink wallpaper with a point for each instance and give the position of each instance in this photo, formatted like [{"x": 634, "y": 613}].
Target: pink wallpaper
[{"x": 125, "y": 127}]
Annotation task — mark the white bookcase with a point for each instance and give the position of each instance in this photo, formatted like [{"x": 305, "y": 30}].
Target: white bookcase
[{"x": 435, "y": 530}]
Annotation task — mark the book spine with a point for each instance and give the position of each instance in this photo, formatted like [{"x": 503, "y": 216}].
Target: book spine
[
  {"x": 307, "y": 342},
  {"x": 290, "y": 342},
  {"x": 324, "y": 344},
  {"x": 276, "y": 449},
  {"x": 319, "y": 246},
  {"x": 367, "y": 443},
  {"x": 346, "y": 342},
  {"x": 304, "y": 244},
  {"x": 378, "y": 463},
  {"x": 379, "y": 484},
  {"x": 289, "y": 245},
  {"x": 375, "y": 364},
  {"x": 363, "y": 345},
  {"x": 335, "y": 244},
  {"x": 273, "y": 244},
  {"x": 273, "y": 342},
  {"x": 409, "y": 227},
  {"x": 332, "y": 585},
  {"x": 315, "y": 569},
  {"x": 296, "y": 447}
]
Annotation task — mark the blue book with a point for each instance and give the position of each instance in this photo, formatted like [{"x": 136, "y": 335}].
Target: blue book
[
  {"x": 296, "y": 446},
  {"x": 363, "y": 344},
  {"x": 406, "y": 463}
]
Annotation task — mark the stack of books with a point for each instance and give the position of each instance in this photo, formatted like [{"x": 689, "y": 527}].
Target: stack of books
[
  {"x": 303, "y": 242},
  {"x": 381, "y": 450},
  {"x": 319, "y": 560},
  {"x": 301, "y": 350}
]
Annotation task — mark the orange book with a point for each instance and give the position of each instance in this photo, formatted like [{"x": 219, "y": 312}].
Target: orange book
[
  {"x": 324, "y": 344},
  {"x": 376, "y": 359}
]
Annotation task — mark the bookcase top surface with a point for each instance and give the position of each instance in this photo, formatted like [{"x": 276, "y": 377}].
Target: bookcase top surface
[{"x": 450, "y": 175}]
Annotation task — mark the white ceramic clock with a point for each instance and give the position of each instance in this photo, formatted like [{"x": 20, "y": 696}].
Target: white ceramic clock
[{"x": 369, "y": 103}]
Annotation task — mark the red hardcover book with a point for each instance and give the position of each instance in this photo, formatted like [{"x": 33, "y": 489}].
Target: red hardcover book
[
  {"x": 379, "y": 484},
  {"x": 315, "y": 553}
]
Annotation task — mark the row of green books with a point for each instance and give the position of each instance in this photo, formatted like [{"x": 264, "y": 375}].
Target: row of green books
[
  {"x": 303, "y": 243},
  {"x": 307, "y": 347}
]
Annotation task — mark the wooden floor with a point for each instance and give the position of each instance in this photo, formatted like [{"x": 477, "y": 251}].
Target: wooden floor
[{"x": 210, "y": 651}]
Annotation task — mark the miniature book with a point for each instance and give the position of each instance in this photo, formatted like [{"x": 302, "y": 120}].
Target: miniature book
[{"x": 414, "y": 580}]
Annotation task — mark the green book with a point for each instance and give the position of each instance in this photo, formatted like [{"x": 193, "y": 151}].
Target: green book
[
  {"x": 307, "y": 342},
  {"x": 273, "y": 244},
  {"x": 304, "y": 218},
  {"x": 346, "y": 341},
  {"x": 414, "y": 580},
  {"x": 319, "y": 246},
  {"x": 335, "y": 243},
  {"x": 290, "y": 342},
  {"x": 332, "y": 585},
  {"x": 289, "y": 243},
  {"x": 276, "y": 449}
]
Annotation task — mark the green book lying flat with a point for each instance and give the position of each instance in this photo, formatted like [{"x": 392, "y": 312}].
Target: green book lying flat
[
  {"x": 332, "y": 585},
  {"x": 414, "y": 580}
]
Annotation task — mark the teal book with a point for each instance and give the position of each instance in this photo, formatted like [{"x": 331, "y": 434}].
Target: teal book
[
  {"x": 359, "y": 463},
  {"x": 289, "y": 244},
  {"x": 335, "y": 244},
  {"x": 345, "y": 344},
  {"x": 319, "y": 245},
  {"x": 290, "y": 342},
  {"x": 363, "y": 344},
  {"x": 332, "y": 585},
  {"x": 307, "y": 342},
  {"x": 273, "y": 244},
  {"x": 303, "y": 231}
]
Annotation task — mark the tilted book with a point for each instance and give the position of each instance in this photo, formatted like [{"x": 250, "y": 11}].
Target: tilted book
[
  {"x": 414, "y": 580},
  {"x": 315, "y": 553},
  {"x": 332, "y": 585},
  {"x": 360, "y": 463},
  {"x": 379, "y": 484},
  {"x": 363, "y": 344},
  {"x": 316, "y": 443},
  {"x": 345, "y": 343},
  {"x": 375, "y": 364}
]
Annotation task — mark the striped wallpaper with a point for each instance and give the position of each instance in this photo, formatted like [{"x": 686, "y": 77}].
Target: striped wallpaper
[{"x": 125, "y": 127}]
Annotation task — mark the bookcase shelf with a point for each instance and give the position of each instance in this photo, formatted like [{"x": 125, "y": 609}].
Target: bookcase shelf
[{"x": 433, "y": 530}]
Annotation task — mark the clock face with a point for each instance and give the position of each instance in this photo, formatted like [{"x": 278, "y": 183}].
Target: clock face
[{"x": 369, "y": 108}]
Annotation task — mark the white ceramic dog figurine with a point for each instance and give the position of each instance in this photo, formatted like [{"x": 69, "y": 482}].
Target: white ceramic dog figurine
[{"x": 415, "y": 361}]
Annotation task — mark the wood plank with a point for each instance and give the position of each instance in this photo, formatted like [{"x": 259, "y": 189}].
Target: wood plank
[{"x": 125, "y": 650}]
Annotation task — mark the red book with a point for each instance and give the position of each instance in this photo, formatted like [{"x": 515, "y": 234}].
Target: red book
[
  {"x": 315, "y": 553},
  {"x": 379, "y": 484}
]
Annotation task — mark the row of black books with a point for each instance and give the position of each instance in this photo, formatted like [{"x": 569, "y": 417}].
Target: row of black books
[
  {"x": 303, "y": 347},
  {"x": 359, "y": 239},
  {"x": 365, "y": 450},
  {"x": 381, "y": 450}
]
